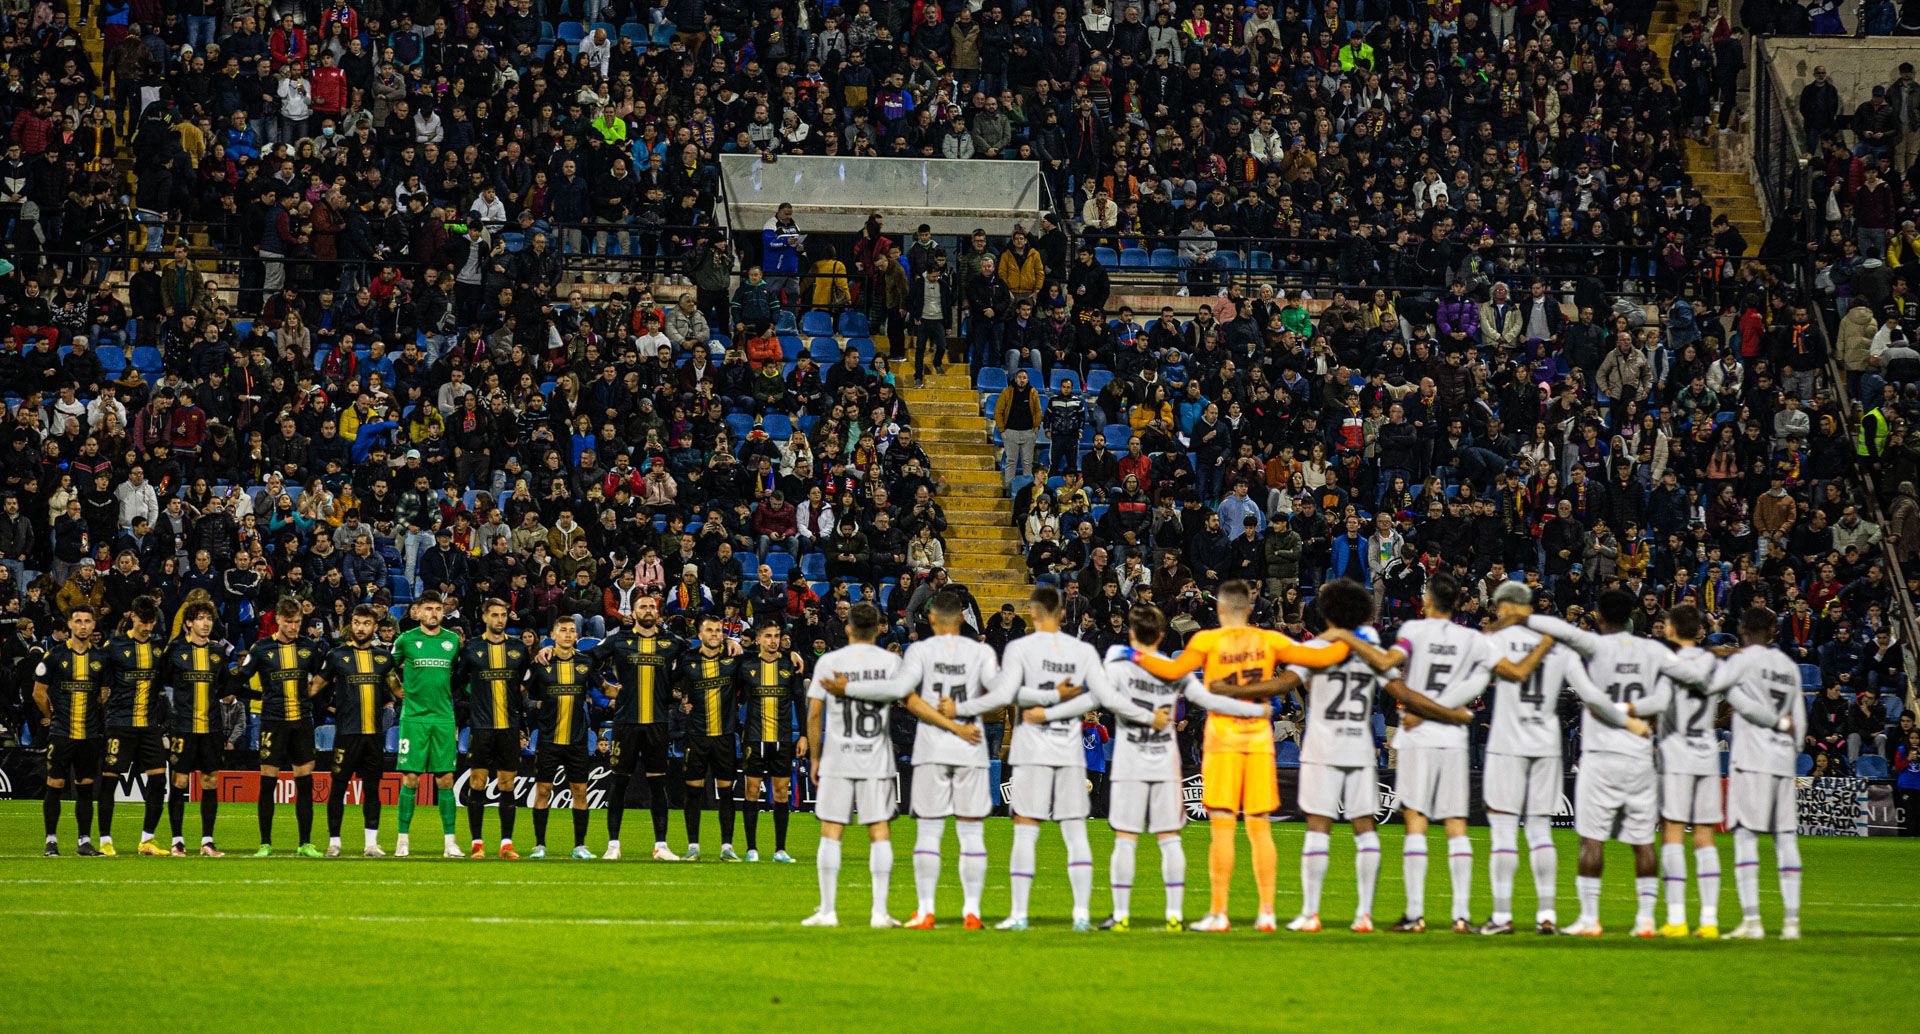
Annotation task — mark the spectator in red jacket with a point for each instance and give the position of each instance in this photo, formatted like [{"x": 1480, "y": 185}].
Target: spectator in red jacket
[
  {"x": 288, "y": 42},
  {"x": 778, "y": 526},
  {"x": 329, "y": 85},
  {"x": 32, "y": 128}
]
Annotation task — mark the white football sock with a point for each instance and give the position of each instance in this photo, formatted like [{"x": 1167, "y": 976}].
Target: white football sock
[
  {"x": 1079, "y": 866},
  {"x": 880, "y": 867},
  {"x": 1503, "y": 862},
  {"x": 1313, "y": 870},
  {"x": 1413, "y": 873},
  {"x": 1173, "y": 872},
  {"x": 828, "y": 866},
  {"x": 1646, "y": 891},
  {"x": 1746, "y": 872},
  {"x": 1673, "y": 875},
  {"x": 1366, "y": 868},
  {"x": 1706, "y": 864},
  {"x": 1020, "y": 867},
  {"x": 1545, "y": 859},
  {"x": 973, "y": 865},
  {"x": 1786, "y": 854},
  {"x": 333, "y": 841},
  {"x": 1120, "y": 876},
  {"x": 926, "y": 861},
  {"x": 1588, "y": 887},
  {"x": 372, "y": 837},
  {"x": 1460, "y": 867}
]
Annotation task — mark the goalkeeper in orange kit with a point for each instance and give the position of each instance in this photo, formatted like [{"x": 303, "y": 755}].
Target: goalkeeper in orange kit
[{"x": 1238, "y": 770}]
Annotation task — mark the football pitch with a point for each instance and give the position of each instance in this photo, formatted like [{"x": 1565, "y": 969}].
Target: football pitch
[{"x": 238, "y": 943}]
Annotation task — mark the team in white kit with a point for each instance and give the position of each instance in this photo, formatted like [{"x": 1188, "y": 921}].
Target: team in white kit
[{"x": 1649, "y": 761}]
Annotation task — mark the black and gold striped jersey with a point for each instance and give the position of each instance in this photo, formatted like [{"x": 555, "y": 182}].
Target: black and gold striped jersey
[
  {"x": 495, "y": 675},
  {"x": 198, "y": 676},
  {"x": 134, "y": 698},
  {"x": 562, "y": 688},
  {"x": 772, "y": 692},
  {"x": 281, "y": 673},
  {"x": 707, "y": 683},
  {"x": 643, "y": 665},
  {"x": 360, "y": 681},
  {"x": 74, "y": 679}
]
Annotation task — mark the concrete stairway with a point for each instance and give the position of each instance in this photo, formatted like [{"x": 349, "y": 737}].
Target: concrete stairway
[
  {"x": 983, "y": 550},
  {"x": 1716, "y": 167}
]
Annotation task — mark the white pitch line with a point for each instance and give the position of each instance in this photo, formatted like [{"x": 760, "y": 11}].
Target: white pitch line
[
  {"x": 283, "y": 917},
  {"x": 365, "y": 883}
]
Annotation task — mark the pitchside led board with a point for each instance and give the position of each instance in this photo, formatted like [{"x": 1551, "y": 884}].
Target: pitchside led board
[{"x": 1828, "y": 807}]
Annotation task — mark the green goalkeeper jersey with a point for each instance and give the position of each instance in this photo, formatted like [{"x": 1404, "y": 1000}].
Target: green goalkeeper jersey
[{"x": 426, "y": 671}]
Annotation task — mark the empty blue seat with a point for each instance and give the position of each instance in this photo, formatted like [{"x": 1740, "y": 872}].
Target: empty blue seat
[
  {"x": 1107, "y": 257},
  {"x": 825, "y": 350},
  {"x": 739, "y": 424},
  {"x": 991, "y": 378},
  {"x": 777, "y": 426},
  {"x": 853, "y": 324},
  {"x": 112, "y": 358},
  {"x": 1871, "y": 766},
  {"x": 817, "y": 323},
  {"x": 663, "y": 34},
  {"x": 148, "y": 359},
  {"x": 1117, "y": 435},
  {"x": 570, "y": 33},
  {"x": 640, "y": 34},
  {"x": 724, "y": 341},
  {"x": 1227, "y": 260},
  {"x": 780, "y": 562},
  {"x": 1133, "y": 258},
  {"x": 790, "y": 347},
  {"x": 1165, "y": 258},
  {"x": 989, "y": 401},
  {"x": 1260, "y": 260},
  {"x": 1059, "y": 379},
  {"x": 1803, "y": 765},
  {"x": 1096, "y": 380},
  {"x": 813, "y": 566},
  {"x": 401, "y": 587},
  {"x": 1810, "y": 679},
  {"x": 863, "y": 346},
  {"x": 785, "y": 323},
  {"x": 1893, "y": 706}
]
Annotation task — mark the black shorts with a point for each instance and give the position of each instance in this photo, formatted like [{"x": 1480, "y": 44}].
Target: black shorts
[
  {"x": 197, "y": 752},
  {"x": 286, "y": 744},
  {"x": 144, "y": 750},
  {"x": 711, "y": 757},
  {"x": 768, "y": 761},
  {"x": 640, "y": 747},
  {"x": 361, "y": 754},
  {"x": 553, "y": 759},
  {"x": 496, "y": 750},
  {"x": 73, "y": 760}
]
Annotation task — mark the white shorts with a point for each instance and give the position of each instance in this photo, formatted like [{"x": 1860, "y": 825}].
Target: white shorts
[
  {"x": 1762, "y": 803},
  {"x": 1050, "y": 794},
  {"x": 1616, "y": 797},
  {"x": 1339, "y": 793},
  {"x": 1433, "y": 781},
  {"x": 956, "y": 790},
  {"x": 1692, "y": 799},
  {"x": 873, "y": 800},
  {"x": 1518, "y": 785},
  {"x": 1138, "y": 807}
]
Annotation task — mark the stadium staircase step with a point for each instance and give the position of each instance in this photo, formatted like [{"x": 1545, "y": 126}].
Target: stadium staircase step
[
  {"x": 983, "y": 551},
  {"x": 1718, "y": 167}
]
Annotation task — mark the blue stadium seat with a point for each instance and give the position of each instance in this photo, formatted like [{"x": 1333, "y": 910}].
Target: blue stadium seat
[
  {"x": 1260, "y": 260},
  {"x": 1059, "y": 378},
  {"x": 1893, "y": 706},
  {"x": 780, "y": 562},
  {"x": 1107, "y": 257},
  {"x": 112, "y": 358},
  {"x": 1117, "y": 435},
  {"x": 1803, "y": 765},
  {"x": 853, "y": 324},
  {"x": 148, "y": 359},
  {"x": 739, "y": 424},
  {"x": 1228, "y": 260},
  {"x": 1810, "y": 678},
  {"x": 990, "y": 378},
  {"x": 1871, "y": 766},
  {"x": 817, "y": 323},
  {"x": 784, "y": 323},
  {"x": 790, "y": 347},
  {"x": 1165, "y": 259},
  {"x": 1286, "y": 754},
  {"x": 663, "y": 34},
  {"x": 813, "y": 566},
  {"x": 988, "y": 402},
  {"x": 725, "y": 341},
  {"x": 854, "y": 591},
  {"x": 1133, "y": 258},
  {"x": 613, "y": 31},
  {"x": 864, "y": 347},
  {"x": 777, "y": 426},
  {"x": 1097, "y": 379},
  {"x": 570, "y": 33},
  {"x": 402, "y": 589},
  {"x": 825, "y": 350},
  {"x": 546, "y": 32},
  {"x": 641, "y": 35}
]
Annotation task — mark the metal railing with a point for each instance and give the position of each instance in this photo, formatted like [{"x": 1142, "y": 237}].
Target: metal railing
[{"x": 1780, "y": 167}]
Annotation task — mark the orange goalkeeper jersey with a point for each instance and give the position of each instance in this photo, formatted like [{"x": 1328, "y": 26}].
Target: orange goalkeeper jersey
[{"x": 1240, "y": 656}]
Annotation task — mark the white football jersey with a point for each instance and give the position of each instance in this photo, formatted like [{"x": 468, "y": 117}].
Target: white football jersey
[
  {"x": 1630, "y": 669},
  {"x": 1763, "y": 685},
  {"x": 1687, "y": 743},
  {"x": 1339, "y": 713},
  {"x": 1029, "y": 670},
  {"x": 1525, "y": 719},
  {"x": 947, "y": 666},
  {"x": 1140, "y": 752},
  {"x": 1445, "y": 661},
  {"x": 858, "y": 732}
]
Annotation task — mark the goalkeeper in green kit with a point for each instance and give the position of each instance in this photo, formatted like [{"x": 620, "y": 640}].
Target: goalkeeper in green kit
[{"x": 429, "y": 742}]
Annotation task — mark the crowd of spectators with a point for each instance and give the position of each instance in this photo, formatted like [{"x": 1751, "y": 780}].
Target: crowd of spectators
[{"x": 1497, "y": 328}]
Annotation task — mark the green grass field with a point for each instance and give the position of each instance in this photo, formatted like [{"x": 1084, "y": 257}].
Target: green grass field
[{"x": 205, "y": 944}]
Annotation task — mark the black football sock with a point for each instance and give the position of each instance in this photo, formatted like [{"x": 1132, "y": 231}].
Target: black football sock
[
  {"x": 580, "y": 827},
  {"x": 508, "y": 809},
  {"x": 370, "y": 806},
  {"x": 50, "y": 811},
  {"x": 540, "y": 827},
  {"x": 692, "y": 813},
  {"x": 476, "y": 813},
  {"x": 662, "y": 808},
  {"x": 103, "y": 794},
  {"x": 617, "y": 806},
  {"x": 267, "y": 785},
  {"x": 725, "y": 795},
  {"x": 336, "y": 806},
  {"x": 752, "y": 818},
  {"x": 209, "y": 810},
  {"x": 156, "y": 792},
  {"x": 83, "y": 811},
  {"x": 177, "y": 812},
  {"x": 303, "y": 806},
  {"x": 781, "y": 809}
]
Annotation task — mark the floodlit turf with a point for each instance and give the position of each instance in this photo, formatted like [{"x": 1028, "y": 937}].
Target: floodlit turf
[{"x": 199, "y": 944}]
